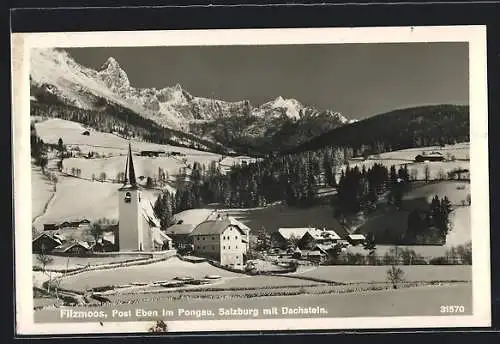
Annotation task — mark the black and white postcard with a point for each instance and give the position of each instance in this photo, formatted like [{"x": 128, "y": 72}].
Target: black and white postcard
[{"x": 239, "y": 180}]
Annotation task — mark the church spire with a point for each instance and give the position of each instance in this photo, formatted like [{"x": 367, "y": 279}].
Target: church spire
[
  {"x": 131, "y": 170},
  {"x": 130, "y": 181}
]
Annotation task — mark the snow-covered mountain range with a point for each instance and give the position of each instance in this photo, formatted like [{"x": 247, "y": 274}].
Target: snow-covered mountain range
[{"x": 55, "y": 73}]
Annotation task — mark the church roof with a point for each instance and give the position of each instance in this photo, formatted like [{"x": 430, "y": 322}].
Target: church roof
[
  {"x": 159, "y": 237},
  {"x": 149, "y": 214},
  {"x": 130, "y": 179}
]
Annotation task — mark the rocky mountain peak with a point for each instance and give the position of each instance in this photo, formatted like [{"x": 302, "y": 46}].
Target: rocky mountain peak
[
  {"x": 110, "y": 63},
  {"x": 113, "y": 75}
]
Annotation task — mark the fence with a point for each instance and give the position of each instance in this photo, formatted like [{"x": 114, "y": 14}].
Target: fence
[{"x": 359, "y": 259}]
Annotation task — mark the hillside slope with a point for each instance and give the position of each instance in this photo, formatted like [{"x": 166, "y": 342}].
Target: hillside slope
[{"x": 399, "y": 129}]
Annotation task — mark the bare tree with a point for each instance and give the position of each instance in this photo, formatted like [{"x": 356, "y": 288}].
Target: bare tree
[
  {"x": 44, "y": 259},
  {"x": 427, "y": 173},
  {"x": 395, "y": 276}
]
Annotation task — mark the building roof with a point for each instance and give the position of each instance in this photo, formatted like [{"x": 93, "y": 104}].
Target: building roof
[
  {"x": 130, "y": 180},
  {"x": 109, "y": 237},
  {"x": 179, "y": 229},
  {"x": 52, "y": 237},
  {"x": 298, "y": 233},
  {"x": 149, "y": 214},
  {"x": 325, "y": 234},
  {"x": 215, "y": 227},
  {"x": 65, "y": 247},
  {"x": 159, "y": 237},
  {"x": 357, "y": 236}
]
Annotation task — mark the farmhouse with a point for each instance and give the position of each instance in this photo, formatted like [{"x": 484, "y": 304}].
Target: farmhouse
[
  {"x": 150, "y": 153},
  {"x": 44, "y": 243},
  {"x": 103, "y": 245},
  {"x": 314, "y": 237},
  {"x": 316, "y": 256},
  {"x": 138, "y": 226},
  {"x": 76, "y": 248},
  {"x": 221, "y": 239},
  {"x": 283, "y": 237},
  {"x": 50, "y": 227},
  {"x": 181, "y": 234},
  {"x": 433, "y": 156},
  {"x": 356, "y": 239}
]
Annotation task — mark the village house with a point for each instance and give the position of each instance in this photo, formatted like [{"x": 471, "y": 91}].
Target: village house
[
  {"x": 356, "y": 239},
  {"x": 151, "y": 154},
  {"x": 103, "y": 245},
  {"x": 50, "y": 227},
  {"x": 221, "y": 239},
  {"x": 284, "y": 236},
  {"x": 433, "y": 156},
  {"x": 181, "y": 234},
  {"x": 138, "y": 227},
  {"x": 75, "y": 248},
  {"x": 45, "y": 243},
  {"x": 313, "y": 237}
]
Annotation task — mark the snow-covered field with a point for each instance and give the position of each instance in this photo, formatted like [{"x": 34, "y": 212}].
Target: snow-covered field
[
  {"x": 163, "y": 271},
  {"x": 455, "y": 191},
  {"x": 193, "y": 216},
  {"x": 350, "y": 274},
  {"x": 457, "y": 157},
  {"x": 62, "y": 263},
  {"x": 112, "y": 145},
  {"x": 78, "y": 198},
  {"x": 459, "y": 151},
  {"x": 396, "y": 221},
  {"x": 41, "y": 191}
]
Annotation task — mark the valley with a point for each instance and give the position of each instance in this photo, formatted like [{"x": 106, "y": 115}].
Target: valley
[{"x": 154, "y": 196}]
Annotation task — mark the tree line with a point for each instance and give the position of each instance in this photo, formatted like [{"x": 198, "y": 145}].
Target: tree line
[
  {"x": 400, "y": 129},
  {"x": 360, "y": 189}
]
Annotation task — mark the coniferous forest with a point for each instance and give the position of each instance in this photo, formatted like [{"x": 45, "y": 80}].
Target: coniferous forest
[{"x": 406, "y": 128}]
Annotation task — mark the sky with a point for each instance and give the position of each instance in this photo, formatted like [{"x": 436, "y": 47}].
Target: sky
[{"x": 358, "y": 80}]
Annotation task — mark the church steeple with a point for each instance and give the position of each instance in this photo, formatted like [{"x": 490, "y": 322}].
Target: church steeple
[{"x": 130, "y": 181}]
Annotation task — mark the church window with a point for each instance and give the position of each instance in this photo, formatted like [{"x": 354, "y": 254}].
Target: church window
[
  {"x": 236, "y": 238},
  {"x": 128, "y": 197}
]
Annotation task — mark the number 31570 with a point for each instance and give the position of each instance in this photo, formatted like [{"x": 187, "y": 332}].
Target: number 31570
[{"x": 452, "y": 309}]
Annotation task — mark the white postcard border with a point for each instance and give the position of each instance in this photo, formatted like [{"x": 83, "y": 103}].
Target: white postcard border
[{"x": 475, "y": 35}]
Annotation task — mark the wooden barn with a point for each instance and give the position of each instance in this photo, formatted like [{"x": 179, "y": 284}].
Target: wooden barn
[
  {"x": 45, "y": 243},
  {"x": 76, "y": 248}
]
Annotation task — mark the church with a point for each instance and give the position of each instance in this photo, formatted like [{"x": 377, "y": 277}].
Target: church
[{"x": 138, "y": 226}]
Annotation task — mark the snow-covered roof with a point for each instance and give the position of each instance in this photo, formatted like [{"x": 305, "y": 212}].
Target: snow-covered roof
[
  {"x": 319, "y": 234},
  {"x": 181, "y": 228},
  {"x": 109, "y": 237},
  {"x": 287, "y": 233},
  {"x": 56, "y": 239},
  {"x": 148, "y": 213},
  {"x": 67, "y": 246},
  {"x": 357, "y": 236},
  {"x": 235, "y": 222},
  {"x": 159, "y": 237}
]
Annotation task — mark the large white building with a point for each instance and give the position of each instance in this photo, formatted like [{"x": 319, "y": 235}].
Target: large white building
[
  {"x": 139, "y": 228},
  {"x": 223, "y": 239}
]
